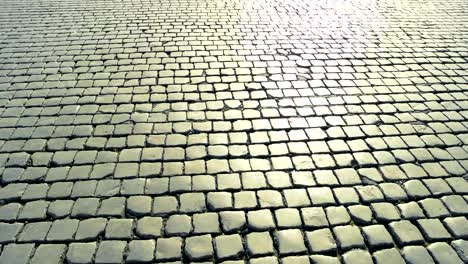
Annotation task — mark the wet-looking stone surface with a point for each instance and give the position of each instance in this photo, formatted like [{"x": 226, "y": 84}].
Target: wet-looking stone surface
[{"x": 233, "y": 131}]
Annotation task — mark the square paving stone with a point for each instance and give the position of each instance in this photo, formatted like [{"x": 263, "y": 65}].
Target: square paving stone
[
  {"x": 461, "y": 247},
  {"x": 9, "y": 212},
  {"x": 417, "y": 255},
  {"x": 321, "y": 196},
  {"x": 377, "y": 236},
  {"x": 385, "y": 212},
  {"x": 90, "y": 229},
  {"x": 455, "y": 204},
  {"x": 314, "y": 217},
  {"x": 457, "y": 226},
  {"x": 8, "y": 232},
  {"x": 165, "y": 204},
  {"x": 34, "y": 210},
  {"x": 149, "y": 227},
  {"x": 337, "y": 215},
  {"x": 48, "y": 254},
  {"x": 411, "y": 210},
  {"x": 232, "y": 221},
  {"x": 321, "y": 241},
  {"x": 259, "y": 243},
  {"x": 80, "y": 253},
  {"x": 444, "y": 253},
  {"x": 360, "y": 214},
  {"x": 140, "y": 251},
  {"x": 168, "y": 248},
  {"x": 288, "y": 217},
  {"x": 192, "y": 202},
  {"x": 290, "y": 241},
  {"x": 199, "y": 247},
  {"x": 433, "y": 230},
  {"x": 270, "y": 198},
  {"x": 34, "y": 232},
  {"x": 322, "y": 259},
  {"x": 139, "y": 205},
  {"x": 119, "y": 229},
  {"x": 357, "y": 256},
  {"x": 388, "y": 256},
  {"x": 85, "y": 207},
  {"x": 296, "y": 260},
  {"x": 219, "y": 200},
  {"x": 62, "y": 230},
  {"x": 114, "y": 206},
  {"x": 260, "y": 220},
  {"x": 180, "y": 225},
  {"x": 348, "y": 237},
  {"x": 110, "y": 252},
  {"x": 245, "y": 200},
  {"x": 16, "y": 253},
  {"x": 405, "y": 233},
  {"x": 296, "y": 197},
  {"x": 228, "y": 246},
  {"x": 206, "y": 223},
  {"x": 434, "y": 208}
]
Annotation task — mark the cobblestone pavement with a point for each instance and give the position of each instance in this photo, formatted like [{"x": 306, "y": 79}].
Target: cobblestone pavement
[{"x": 209, "y": 131}]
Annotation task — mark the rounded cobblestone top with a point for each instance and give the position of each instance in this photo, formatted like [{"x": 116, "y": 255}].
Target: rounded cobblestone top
[{"x": 233, "y": 131}]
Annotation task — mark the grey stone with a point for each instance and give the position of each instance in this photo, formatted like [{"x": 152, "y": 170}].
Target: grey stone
[
  {"x": 443, "y": 253},
  {"x": 139, "y": 205},
  {"x": 8, "y": 232},
  {"x": 62, "y": 230},
  {"x": 232, "y": 221},
  {"x": 199, "y": 247},
  {"x": 34, "y": 232},
  {"x": 119, "y": 229},
  {"x": 90, "y": 229},
  {"x": 114, "y": 206},
  {"x": 259, "y": 243},
  {"x": 377, "y": 236},
  {"x": 348, "y": 237},
  {"x": 149, "y": 227},
  {"x": 360, "y": 214},
  {"x": 140, "y": 251},
  {"x": 180, "y": 225},
  {"x": 288, "y": 218},
  {"x": 461, "y": 247},
  {"x": 48, "y": 254},
  {"x": 80, "y": 253},
  {"x": 290, "y": 241},
  {"x": 34, "y": 210},
  {"x": 417, "y": 255},
  {"x": 457, "y": 226},
  {"x": 206, "y": 223},
  {"x": 357, "y": 256},
  {"x": 192, "y": 202},
  {"x": 433, "y": 230},
  {"x": 321, "y": 241},
  {"x": 389, "y": 256},
  {"x": 9, "y": 212},
  {"x": 260, "y": 220},
  {"x": 110, "y": 251},
  {"x": 85, "y": 207},
  {"x": 406, "y": 233},
  {"x": 59, "y": 208},
  {"x": 16, "y": 253},
  {"x": 228, "y": 246},
  {"x": 168, "y": 248}
]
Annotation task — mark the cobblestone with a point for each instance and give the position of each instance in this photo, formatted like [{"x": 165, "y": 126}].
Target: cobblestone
[{"x": 233, "y": 131}]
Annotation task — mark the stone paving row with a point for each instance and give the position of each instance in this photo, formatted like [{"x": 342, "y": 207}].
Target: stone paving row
[{"x": 236, "y": 131}]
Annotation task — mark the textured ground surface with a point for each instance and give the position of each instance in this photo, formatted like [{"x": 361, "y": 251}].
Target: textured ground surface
[{"x": 237, "y": 131}]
